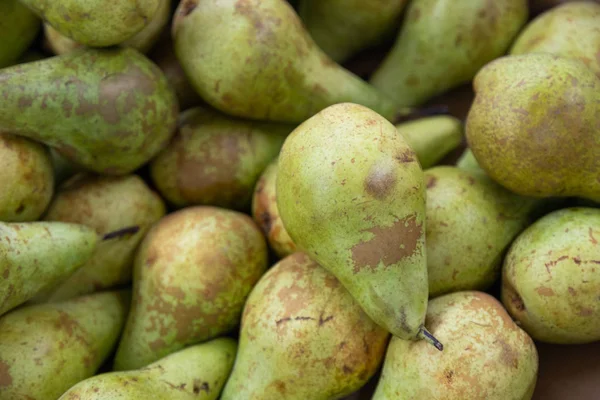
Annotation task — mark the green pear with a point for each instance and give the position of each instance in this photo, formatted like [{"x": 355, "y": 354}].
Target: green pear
[
  {"x": 351, "y": 194},
  {"x": 487, "y": 356},
  {"x": 26, "y": 179},
  {"x": 302, "y": 337},
  {"x": 192, "y": 274},
  {"x": 195, "y": 373},
  {"x": 533, "y": 126},
  {"x": 63, "y": 168},
  {"x": 551, "y": 277},
  {"x": 37, "y": 255},
  {"x": 94, "y": 22},
  {"x": 468, "y": 162},
  {"x": 235, "y": 52},
  {"x": 215, "y": 159},
  {"x": 342, "y": 28},
  {"x": 47, "y": 348},
  {"x": 19, "y": 27},
  {"x": 570, "y": 30},
  {"x": 443, "y": 43}
]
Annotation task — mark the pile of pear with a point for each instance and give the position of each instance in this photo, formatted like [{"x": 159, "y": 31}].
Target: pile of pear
[{"x": 199, "y": 201}]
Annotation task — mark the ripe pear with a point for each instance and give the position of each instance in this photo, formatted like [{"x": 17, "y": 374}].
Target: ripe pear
[
  {"x": 26, "y": 179},
  {"x": 487, "y": 356},
  {"x": 443, "y": 43},
  {"x": 192, "y": 274},
  {"x": 45, "y": 349},
  {"x": 570, "y": 30},
  {"x": 215, "y": 159},
  {"x": 234, "y": 52},
  {"x": 551, "y": 277},
  {"x": 37, "y": 255},
  {"x": 533, "y": 126},
  {"x": 342, "y": 28},
  {"x": 108, "y": 110},
  {"x": 195, "y": 373},
  {"x": 19, "y": 27},
  {"x": 303, "y": 336},
  {"x": 351, "y": 194}
]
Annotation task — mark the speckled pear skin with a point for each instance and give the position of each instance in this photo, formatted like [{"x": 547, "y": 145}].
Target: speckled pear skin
[
  {"x": 192, "y": 274},
  {"x": 235, "y": 51},
  {"x": 215, "y": 159},
  {"x": 38, "y": 255},
  {"x": 45, "y": 349},
  {"x": 195, "y": 373},
  {"x": 26, "y": 179},
  {"x": 487, "y": 356},
  {"x": 303, "y": 337},
  {"x": 19, "y": 27},
  {"x": 347, "y": 166},
  {"x": 443, "y": 43},
  {"x": 92, "y": 22},
  {"x": 342, "y": 28},
  {"x": 109, "y": 110},
  {"x": 570, "y": 29},
  {"x": 533, "y": 126},
  {"x": 551, "y": 277}
]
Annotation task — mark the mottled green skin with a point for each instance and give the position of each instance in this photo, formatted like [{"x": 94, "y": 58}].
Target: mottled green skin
[
  {"x": 19, "y": 27},
  {"x": 38, "y": 255},
  {"x": 471, "y": 221},
  {"x": 46, "y": 349},
  {"x": 432, "y": 137},
  {"x": 534, "y": 126},
  {"x": 303, "y": 337},
  {"x": 342, "y": 28},
  {"x": 192, "y": 274},
  {"x": 350, "y": 192},
  {"x": 443, "y": 43},
  {"x": 94, "y": 22},
  {"x": 195, "y": 373},
  {"x": 570, "y": 30},
  {"x": 235, "y": 51},
  {"x": 109, "y": 111},
  {"x": 551, "y": 277},
  {"x": 26, "y": 179},
  {"x": 486, "y": 355},
  {"x": 215, "y": 159}
]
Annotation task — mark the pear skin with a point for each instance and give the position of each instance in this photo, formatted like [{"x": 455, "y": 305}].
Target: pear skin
[{"x": 19, "y": 26}]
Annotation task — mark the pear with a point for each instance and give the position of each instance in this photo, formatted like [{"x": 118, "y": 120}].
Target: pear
[
  {"x": 351, "y": 194},
  {"x": 342, "y": 28},
  {"x": 234, "y": 52},
  {"x": 533, "y": 126},
  {"x": 26, "y": 179},
  {"x": 47, "y": 348},
  {"x": 468, "y": 162},
  {"x": 92, "y": 22},
  {"x": 551, "y": 277},
  {"x": 109, "y": 111},
  {"x": 487, "y": 356},
  {"x": 570, "y": 30},
  {"x": 19, "y": 27},
  {"x": 215, "y": 159},
  {"x": 303, "y": 337},
  {"x": 195, "y": 373},
  {"x": 192, "y": 274},
  {"x": 37, "y": 255},
  {"x": 63, "y": 168},
  {"x": 443, "y": 43}
]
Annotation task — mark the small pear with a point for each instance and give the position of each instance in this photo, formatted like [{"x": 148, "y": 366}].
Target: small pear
[
  {"x": 45, "y": 349},
  {"x": 19, "y": 26},
  {"x": 443, "y": 43},
  {"x": 303, "y": 337},
  {"x": 37, "y": 255},
  {"x": 234, "y": 52},
  {"x": 195, "y": 373},
  {"x": 551, "y": 277},
  {"x": 192, "y": 274},
  {"x": 468, "y": 162},
  {"x": 109, "y": 110},
  {"x": 486, "y": 357}
]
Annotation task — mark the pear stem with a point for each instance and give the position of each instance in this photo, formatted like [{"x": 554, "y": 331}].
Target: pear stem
[
  {"x": 409, "y": 114},
  {"x": 130, "y": 230},
  {"x": 429, "y": 338}
]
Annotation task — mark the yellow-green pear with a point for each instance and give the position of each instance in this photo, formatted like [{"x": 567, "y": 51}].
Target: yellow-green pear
[{"x": 19, "y": 26}]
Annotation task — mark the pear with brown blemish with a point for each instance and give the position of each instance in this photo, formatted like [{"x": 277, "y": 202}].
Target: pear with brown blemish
[
  {"x": 486, "y": 356},
  {"x": 302, "y": 337},
  {"x": 551, "y": 277},
  {"x": 351, "y": 193},
  {"x": 19, "y": 26}
]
